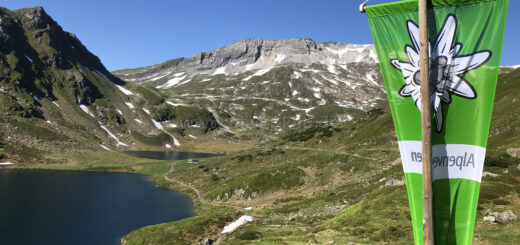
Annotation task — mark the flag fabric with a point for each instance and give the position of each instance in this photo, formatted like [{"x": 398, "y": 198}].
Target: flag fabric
[{"x": 465, "y": 43}]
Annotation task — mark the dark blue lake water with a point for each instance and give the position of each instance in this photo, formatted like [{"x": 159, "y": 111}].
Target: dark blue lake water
[{"x": 74, "y": 207}]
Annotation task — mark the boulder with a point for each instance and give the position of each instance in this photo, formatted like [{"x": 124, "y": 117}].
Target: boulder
[
  {"x": 514, "y": 152},
  {"x": 394, "y": 182},
  {"x": 488, "y": 174},
  {"x": 500, "y": 217}
]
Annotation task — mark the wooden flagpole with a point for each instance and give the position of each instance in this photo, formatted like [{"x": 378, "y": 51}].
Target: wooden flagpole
[{"x": 426, "y": 124}]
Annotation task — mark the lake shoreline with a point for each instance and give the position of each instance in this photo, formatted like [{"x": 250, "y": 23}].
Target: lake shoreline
[
  {"x": 91, "y": 200},
  {"x": 118, "y": 163}
]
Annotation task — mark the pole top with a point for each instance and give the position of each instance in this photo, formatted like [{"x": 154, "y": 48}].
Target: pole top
[{"x": 362, "y": 7}]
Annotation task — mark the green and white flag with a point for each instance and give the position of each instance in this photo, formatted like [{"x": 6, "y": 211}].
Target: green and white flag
[{"x": 465, "y": 44}]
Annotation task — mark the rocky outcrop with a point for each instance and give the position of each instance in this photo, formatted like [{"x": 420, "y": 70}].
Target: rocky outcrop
[
  {"x": 394, "y": 182},
  {"x": 514, "y": 152},
  {"x": 500, "y": 217},
  {"x": 255, "y": 54},
  {"x": 270, "y": 86},
  {"x": 489, "y": 174}
]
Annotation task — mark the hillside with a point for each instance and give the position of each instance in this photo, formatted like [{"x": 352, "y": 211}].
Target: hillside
[
  {"x": 260, "y": 88},
  {"x": 57, "y": 97},
  {"x": 333, "y": 183},
  {"x": 326, "y": 165}
]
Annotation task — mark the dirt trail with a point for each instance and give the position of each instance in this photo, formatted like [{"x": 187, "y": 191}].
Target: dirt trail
[
  {"x": 199, "y": 196},
  {"x": 329, "y": 151},
  {"x": 197, "y": 192}
]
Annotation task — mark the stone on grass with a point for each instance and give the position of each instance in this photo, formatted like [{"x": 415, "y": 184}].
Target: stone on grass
[
  {"x": 394, "y": 182},
  {"x": 500, "y": 217}
]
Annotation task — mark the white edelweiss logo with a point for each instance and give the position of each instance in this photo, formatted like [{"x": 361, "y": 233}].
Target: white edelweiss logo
[{"x": 447, "y": 69}]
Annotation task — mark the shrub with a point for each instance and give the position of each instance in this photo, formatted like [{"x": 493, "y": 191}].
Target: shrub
[
  {"x": 242, "y": 158},
  {"x": 250, "y": 235},
  {"x": 214, "y": 177},
  {"x": 501, "y": 202}
]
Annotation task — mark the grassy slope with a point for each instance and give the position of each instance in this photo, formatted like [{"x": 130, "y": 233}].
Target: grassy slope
[
  {"x": 318, "y": 185},
  {"x": 324, "y": 184},
  {"x": 40, "y": 64}
]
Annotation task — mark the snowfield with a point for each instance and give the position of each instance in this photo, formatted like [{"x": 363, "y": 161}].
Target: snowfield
[
  {"x": 244, "y": 219},
  {"x": 159, "y": 126},
  {"x": 112, "y": 135},
  {"x": 124, "y": 90}
]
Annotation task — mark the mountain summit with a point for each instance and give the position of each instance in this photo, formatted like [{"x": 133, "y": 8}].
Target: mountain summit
[
  {"x": 56, "y": 96},
  {"x": 270, "y": 85},
  {"x": 254, "y": 54}
]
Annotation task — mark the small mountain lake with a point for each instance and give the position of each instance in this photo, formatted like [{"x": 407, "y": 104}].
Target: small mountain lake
[
  {"x": 76, "y": 207},
  {"x": 171, "y": 155}
]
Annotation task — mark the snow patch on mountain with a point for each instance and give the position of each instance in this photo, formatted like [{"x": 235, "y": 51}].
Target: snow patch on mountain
[
  {"x": 124, "y": 90},
  {"x": 29, "y": 58},
  {"x": 111, "y": 135},
  {"x": 172, "y": 82},
  {"x": 130, "y": 105},
  {"x": 244, "y": 219},
  {"x": 175, "y": 104},
  {"x": 257, "y": 73},
  {"x": 86, "y": 110},
  {"x": 279, "y": 58},
  {"x": 160, "y": 127}
]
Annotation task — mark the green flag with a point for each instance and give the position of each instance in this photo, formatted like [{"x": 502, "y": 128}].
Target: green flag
[{"x": 465, "y": 39}]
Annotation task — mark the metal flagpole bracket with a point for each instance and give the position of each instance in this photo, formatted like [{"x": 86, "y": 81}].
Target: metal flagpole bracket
[{"x": 362, "y": 7}]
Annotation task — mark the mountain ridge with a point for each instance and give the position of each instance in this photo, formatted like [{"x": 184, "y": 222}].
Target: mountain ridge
[
  {"x": 257, "y": 85},
  {"x": 243, "y": 56},
  {"x": 57, "y": 97}
]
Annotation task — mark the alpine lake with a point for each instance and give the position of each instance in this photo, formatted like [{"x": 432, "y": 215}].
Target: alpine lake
[{"x": 39, "y": 206}]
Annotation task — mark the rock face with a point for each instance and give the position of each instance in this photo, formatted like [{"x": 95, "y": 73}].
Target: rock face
[
  {"x": 263, "y": 85},
  {"x": 56, "y": 94},
  {"x": 254, "y": 54},
  {"x": 500, "y": 217},
  {"x": 394, "y": 182}
]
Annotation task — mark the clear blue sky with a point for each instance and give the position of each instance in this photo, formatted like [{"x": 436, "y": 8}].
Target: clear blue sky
[{"x": 131, "y": 33}]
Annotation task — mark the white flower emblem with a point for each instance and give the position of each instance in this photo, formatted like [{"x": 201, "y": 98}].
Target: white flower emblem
[{"x": 447, "y": 69}]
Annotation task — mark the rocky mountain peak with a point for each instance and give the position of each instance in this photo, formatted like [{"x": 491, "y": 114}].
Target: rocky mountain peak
[
  {"x": 35, "y": 18},
  {"x": 255, "y": 54},
  {"x": 272, "y": 85}
]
